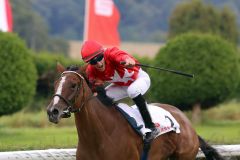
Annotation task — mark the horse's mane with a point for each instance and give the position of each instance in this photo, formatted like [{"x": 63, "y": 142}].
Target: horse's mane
[
  {"x": 72, "y": 68},
  {"x": 102, "y": 96},
  {"x": 101, "y": 92}
]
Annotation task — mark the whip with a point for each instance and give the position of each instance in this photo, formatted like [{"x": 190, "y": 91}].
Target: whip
[{"x": 163, "y": 69}]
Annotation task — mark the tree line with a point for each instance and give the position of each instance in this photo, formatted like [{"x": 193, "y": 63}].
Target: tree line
[
  {"x": 47, "y": 24},
  {"x": 65, "y": 18}
]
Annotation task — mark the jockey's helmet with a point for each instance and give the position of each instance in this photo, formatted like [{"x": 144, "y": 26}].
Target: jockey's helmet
[{"x": 91, "y": 49}]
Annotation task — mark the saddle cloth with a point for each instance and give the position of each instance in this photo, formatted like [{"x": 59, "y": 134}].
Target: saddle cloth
[{"x": 162, "y": 119}]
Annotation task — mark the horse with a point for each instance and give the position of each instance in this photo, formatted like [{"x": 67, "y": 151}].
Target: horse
[{"x": 104, "y": 134}]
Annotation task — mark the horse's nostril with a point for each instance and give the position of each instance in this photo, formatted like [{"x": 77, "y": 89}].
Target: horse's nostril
[{"x": 55, "y": 111}]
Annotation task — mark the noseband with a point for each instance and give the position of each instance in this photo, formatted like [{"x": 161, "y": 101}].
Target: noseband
[{"x": 70, "y": 102}]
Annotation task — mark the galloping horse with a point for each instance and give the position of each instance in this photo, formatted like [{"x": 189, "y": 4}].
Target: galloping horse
[{"x": 104, "y": 134}]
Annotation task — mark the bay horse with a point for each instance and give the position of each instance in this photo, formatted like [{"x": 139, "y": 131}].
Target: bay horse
[{"x": 104, "y": 134}]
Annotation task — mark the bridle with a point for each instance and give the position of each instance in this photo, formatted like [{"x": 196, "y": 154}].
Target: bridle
[{"x": 72, "y": 98}]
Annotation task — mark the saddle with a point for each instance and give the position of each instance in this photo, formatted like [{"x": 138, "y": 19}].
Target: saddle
[{"x": 162, "y": 119}]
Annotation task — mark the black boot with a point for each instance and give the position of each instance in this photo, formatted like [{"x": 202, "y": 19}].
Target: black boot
[{"x": 141, "y": 104}]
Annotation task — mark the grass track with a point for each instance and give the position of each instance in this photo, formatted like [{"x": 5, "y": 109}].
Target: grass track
[
  {"x": 220, "y": 133},
  {"x": 13, "y": 139},
  {"x": 26, "y": 131}
]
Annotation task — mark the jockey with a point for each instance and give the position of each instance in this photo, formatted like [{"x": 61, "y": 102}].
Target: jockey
[{"x": 127, "y": 80}]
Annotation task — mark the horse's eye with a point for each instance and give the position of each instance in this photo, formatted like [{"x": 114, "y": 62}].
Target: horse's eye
[{"x": 73, "y": 86}]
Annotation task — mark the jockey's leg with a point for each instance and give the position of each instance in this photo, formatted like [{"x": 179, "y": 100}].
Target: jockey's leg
[
  {"x": 142, "y": 106},
  {"x": 135, "y": 91},
  {"x": 116, "y": 92},
  {"x": 139, "y": 86}
]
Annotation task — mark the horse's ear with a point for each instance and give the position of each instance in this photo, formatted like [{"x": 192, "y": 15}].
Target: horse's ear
[
  {"x": 82, "y": 69},
  {"x": 60, "y": 67}
]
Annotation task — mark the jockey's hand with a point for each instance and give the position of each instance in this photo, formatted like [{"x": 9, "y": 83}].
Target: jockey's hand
[{"x": 129, "y": 62}]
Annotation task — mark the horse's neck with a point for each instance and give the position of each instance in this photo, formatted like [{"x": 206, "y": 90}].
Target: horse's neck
[{"x": 95, "y": 122}]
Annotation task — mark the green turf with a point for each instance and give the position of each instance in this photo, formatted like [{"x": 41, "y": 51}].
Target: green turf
[
  {"x": 37, "y": 138},
  {"x": 25, "y": 131},
  {"x": 221, "y": 132},
  {"x": 66, "y": 137}
]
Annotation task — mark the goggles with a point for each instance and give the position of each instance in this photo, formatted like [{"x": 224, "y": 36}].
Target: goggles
[{"x": 96, "y": 59}]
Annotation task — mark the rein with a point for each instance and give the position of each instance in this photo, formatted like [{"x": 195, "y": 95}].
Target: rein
[{"x": 70, "y": 102}]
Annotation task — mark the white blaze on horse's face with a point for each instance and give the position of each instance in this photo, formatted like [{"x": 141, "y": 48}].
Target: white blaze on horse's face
[{"x": 59, "y": 90}]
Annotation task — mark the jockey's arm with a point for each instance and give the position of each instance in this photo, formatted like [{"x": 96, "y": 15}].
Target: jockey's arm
[{"x": 121, "y": 56}]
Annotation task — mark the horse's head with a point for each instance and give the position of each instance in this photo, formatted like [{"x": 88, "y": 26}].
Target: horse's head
[{"x": 69, "y": 93}]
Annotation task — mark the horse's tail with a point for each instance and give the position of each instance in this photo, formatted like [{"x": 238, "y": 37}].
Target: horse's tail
[{"x": 209, "y": 152}]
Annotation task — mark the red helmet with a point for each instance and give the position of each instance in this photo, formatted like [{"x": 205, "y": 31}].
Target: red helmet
[{"x": 90, "y": 49}]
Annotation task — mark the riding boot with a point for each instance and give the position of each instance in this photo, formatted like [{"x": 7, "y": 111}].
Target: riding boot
[{"x": 141, "y": 104}]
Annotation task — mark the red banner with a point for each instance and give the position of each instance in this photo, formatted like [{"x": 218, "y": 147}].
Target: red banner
[
  {"x": 101, "y": 22},
  {"x": 5, "y": 16}
]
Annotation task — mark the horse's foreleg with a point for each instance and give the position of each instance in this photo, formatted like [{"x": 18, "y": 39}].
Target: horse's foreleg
[{"x": 81, "y": 154}]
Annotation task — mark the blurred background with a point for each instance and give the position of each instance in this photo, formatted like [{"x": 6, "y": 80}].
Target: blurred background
[{"x": 199, "y": 37}]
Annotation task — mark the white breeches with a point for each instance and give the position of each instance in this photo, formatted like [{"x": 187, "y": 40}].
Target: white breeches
[{"x": 139, "y": 86}]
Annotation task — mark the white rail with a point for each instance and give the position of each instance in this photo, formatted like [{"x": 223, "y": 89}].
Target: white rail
[
  {"x": 225, "y": 150},
  {"x": 50, "y": 154},
  {"x": 69, "y": 154}
]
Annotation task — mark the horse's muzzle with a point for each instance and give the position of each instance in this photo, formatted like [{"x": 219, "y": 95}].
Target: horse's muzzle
[{"x": 53, "y": 115}]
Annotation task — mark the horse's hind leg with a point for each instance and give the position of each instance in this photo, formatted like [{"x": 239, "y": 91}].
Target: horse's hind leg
[
  {"x": 186, "y": 153},
  {"x": 180, "y": 157},
  {"x": 163, "y": 146}
]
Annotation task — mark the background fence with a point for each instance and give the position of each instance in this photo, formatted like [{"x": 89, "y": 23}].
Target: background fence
[{"x": 231, "y": 152}]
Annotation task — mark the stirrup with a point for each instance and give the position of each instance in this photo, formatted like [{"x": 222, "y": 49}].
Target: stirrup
[{"x": 151, "y": 135}]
